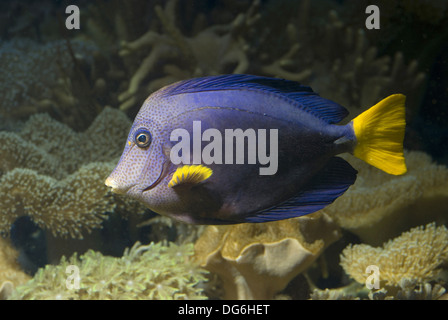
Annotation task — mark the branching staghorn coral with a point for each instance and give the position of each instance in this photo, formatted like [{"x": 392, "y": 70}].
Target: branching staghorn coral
[
  {"x": 256, "y": 261},
  {"x": 338, "y": 62},
  {"x": 52, "y": 174},
  {"x": 214, "y": 50},
  {"x": 154, "y": 271},
  {"x": 334, "y": 57},
  {"x": 392, "y": 204},
  {"x": 416, "y": 255}
]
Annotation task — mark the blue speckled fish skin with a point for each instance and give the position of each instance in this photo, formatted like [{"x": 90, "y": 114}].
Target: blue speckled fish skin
[{"x": 309, "y": 177}]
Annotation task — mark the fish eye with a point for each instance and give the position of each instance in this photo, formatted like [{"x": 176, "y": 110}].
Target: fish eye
[{"x": 142, "y": 138}]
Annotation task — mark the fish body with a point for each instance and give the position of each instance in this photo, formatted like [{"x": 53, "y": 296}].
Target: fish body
[{"x": 253, "y": 149}]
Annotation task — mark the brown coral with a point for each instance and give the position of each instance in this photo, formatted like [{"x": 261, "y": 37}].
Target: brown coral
[
  {"x": 65, "y": 207},
  {"x": 335, "y": 58},
  {"x": 415, "y": 255},
  {"x": 49, "y": 173},
  {"x": 255, "y": 261},
  {"x": 338, "y": 62},
  {"x": 214, "y": 50},
  {"x": 11, "y": 274}
]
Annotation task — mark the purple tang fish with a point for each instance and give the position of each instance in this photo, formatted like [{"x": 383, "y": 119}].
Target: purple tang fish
[{"x": 240, "y": 148}]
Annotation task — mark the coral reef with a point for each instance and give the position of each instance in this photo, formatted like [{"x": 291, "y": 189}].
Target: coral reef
[
  {"x": 65, "y": 207},
  {"x": 332, "y": 294},
  {"x": 357, "y": 80},
  {"x": 135, "y": 57},
  {"x": 409, "y": 290},
  {"x": 109, "y": 25},
  {"x": 338, "y": 61},
  {"x": 417, "y": 255},
  {"x": 214, "y": 50},
  {"x": 50, "y": 147},
  {"x": 410, "y": 268},
  {"x": 42, "y": 78},
  {"x": 53, "y": 171},
  {"x": 392, "y": 204},
  {"x": 153, "y": 271},
  {"x": 11, "y": 274},
  {"x": 256, "y": 261},
  {"x": 49, "y": 173},
  {"x": 164, "y": 228},
  {"x": 405, "y": 290}
]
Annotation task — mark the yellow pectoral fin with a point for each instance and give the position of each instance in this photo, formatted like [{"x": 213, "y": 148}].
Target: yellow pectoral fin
[{"x": 190, "y": 175}]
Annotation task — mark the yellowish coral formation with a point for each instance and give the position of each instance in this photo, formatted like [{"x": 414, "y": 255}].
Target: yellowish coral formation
[
  {"x": 101, "y": 142},
  {"x": 393, "y": 204},
  {"x": 153, "y": 271},
  {"x": 415, "y": 255},
  {"x": 255, "y": 261},
  {"x": 55, "y": 175},
  {"x": 11, "y": 274},
  {"x": 52, "y": 148},
  {"x": 405, "y": 290},
  {"x": 332, "y": 294},
  {"x": 409, "y": 290},
  {"x": 65, "y": 207},
  {"x": 48, "y": 173}
]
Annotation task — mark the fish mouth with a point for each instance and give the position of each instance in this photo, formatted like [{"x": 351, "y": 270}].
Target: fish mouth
[{"x": 110, "y": 182}]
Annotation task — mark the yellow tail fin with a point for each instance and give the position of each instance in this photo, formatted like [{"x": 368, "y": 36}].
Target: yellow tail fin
[{"x": 379, "y": 133}]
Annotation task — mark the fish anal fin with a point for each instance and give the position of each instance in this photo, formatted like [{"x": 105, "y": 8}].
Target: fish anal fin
[{"x": 329, "y": 184}]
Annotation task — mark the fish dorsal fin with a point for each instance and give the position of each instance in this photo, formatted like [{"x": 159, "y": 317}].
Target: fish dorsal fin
[
  {"x": 303, "y": 97},
  {"x": 190, "y": 175},
  {"x": 329, "y": 184}
]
